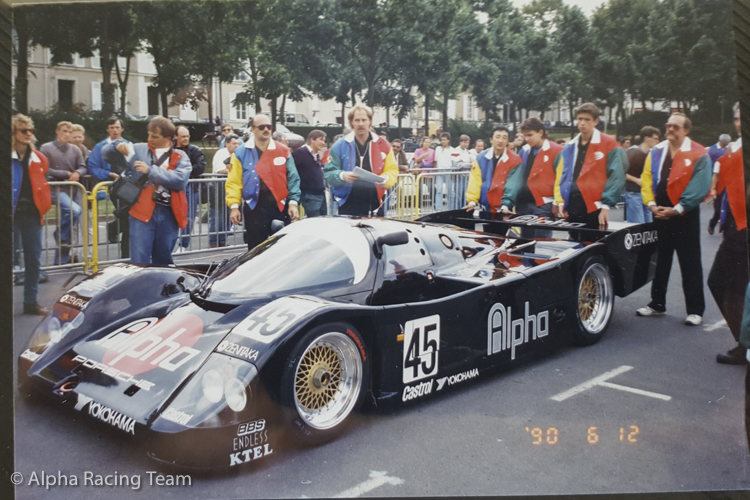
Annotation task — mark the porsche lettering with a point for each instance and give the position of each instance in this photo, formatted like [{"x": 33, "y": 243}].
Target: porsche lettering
[
  {"x": 113, "y": 372},
  {"x": 505, "y": 333}
]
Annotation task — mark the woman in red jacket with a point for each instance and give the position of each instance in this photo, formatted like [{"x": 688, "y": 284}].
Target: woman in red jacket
[{"x": 31, "y": 200}]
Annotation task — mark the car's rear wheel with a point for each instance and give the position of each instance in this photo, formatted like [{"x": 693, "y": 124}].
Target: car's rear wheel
[
  {"x": 596, "y": 300},
  {"x": 325, "y": 380}
]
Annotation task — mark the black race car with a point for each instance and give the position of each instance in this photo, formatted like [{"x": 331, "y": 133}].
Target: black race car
[{"x": 204, "y": 362}]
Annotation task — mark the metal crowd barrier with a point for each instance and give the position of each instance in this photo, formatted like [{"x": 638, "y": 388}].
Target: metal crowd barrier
[{"x": 421, "y": 192}]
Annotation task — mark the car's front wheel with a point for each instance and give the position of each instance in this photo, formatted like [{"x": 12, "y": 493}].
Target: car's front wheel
[
  {"x": 324, "y": 381},
  {"x": 596, "y": 299}
]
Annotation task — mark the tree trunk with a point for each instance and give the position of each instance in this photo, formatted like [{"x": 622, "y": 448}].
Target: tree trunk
[
  {"x": 282, "y": 111},
  {"x": 21, "y": 92},
  {"x": 445, "y": 111},
  {"x": 343, "y": 115},
  {"x": 164, "y": 104},
  {"x": 108, "y": 91},
  {"x": 210, "y": 88},
  {"x": 254, "y": 77},
  {"x": 427, "y": 114},
  {"x": 572, "y": 127},
  {"x": 388, "y": 116},
  {"x": 400, "y": 133},
  {"x": 123, "y": 82},
  {"x": 273, "y": 104}
]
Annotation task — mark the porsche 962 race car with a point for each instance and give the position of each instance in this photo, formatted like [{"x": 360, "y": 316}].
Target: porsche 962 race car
[{"x": 209, "y": 364}]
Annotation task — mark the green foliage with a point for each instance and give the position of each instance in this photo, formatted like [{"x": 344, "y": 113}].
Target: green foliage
[{"x": 473, "y": 130}]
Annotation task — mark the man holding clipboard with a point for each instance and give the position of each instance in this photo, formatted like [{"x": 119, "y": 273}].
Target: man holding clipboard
[{"x": 360, "y": 167}]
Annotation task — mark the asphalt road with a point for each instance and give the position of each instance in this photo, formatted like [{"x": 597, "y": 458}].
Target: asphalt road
[{"x": 664, "y": 416}]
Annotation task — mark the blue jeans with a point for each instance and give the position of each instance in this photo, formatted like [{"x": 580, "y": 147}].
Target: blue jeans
[
  {"x": 66, "y": 207},
  {"x": 314, "y": 204},
  {"x": 191, "y": 193},
  {"x": 532, "y": 209},
  {"x": 218, "y": 222},
  {"x": 635, "y": 210},
  {"x": 29, "y": 229},
  {"x": 152, "y": 242},
  {"x": 440, "y": 181}
]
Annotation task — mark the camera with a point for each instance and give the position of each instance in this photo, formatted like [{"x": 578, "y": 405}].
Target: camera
[{"x": 161, "y": 197}]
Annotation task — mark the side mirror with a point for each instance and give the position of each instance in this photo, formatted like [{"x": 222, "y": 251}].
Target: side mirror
[{"x": 391, "y": 239}]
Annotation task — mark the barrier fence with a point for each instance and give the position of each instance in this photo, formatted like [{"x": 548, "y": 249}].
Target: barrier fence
[{"x": 83, "y": 229}]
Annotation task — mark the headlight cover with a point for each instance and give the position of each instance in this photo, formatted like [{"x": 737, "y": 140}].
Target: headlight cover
[
  {"x": 216, "y": 395},
  {"x": 52, "y": 329}
]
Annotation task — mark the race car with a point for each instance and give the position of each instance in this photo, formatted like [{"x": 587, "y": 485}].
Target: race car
[{"x": 212, "y": 365}]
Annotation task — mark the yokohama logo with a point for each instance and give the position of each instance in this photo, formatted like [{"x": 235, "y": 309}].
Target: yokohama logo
[{"x": 106, "y": 414}]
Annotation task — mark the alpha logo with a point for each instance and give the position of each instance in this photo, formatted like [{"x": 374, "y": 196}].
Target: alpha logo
[
  {"x": 105, "y": 414},
  {"x": 417, "y": 391},
  {"x": 455, "y": 379},
  {"x": 538, "y": 219},
  {"x": 250, "y": 454},
  {"x": 598, "y": 155},
  {"x": 177, "y": 417},
  {"x": 238, "y": 350},
  {"x": 504, "y": 333},
  {"x": 113, "y": 372},
  {"x": 74, "y": 301},
  {"x": 146, "y": 343},
  {"x": 638, "y": 239}
]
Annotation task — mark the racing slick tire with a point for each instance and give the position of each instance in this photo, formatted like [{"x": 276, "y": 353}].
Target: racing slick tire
[
  {"x": 596, "y": 299},
  {"x": 325, "y": 380}
]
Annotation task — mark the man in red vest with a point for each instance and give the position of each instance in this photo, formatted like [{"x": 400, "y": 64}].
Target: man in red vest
[
  {"x": 590, "y": 173},
  {"x": 161, "y": 209},
  {"x": 728, "y": 277},
  {"x": 675, "y": 179},
  {"x": 495, "y": 176},
  {"x": 262, "y": 174}
]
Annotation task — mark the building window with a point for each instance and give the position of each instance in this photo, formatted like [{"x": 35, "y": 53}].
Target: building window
[
  {"x": 238, "y": 111},
  {"x": 96, "y": 61},
  {"x": 241, "y": 77},
  {"x": 65, "y": 94}
]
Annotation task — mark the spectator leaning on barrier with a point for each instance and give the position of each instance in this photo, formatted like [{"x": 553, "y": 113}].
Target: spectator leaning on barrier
[
  {"x": 635, "y": 210},
  {"x": 398, "y": 154},
  {"x": 495, "y": 177},
  {"x": 102, "y": 171},
  {"x": 161, "y": 209},
  {"x": 192, "y": 191},
  {"x": 310, "y": 170},
  {"x": 728, "y": 277},
  {"x": 590, "y": 173},
  {"x": 65, "y": 164},
  {"x": 478, "y": 148},
  {"x": 714, "y": 153},
  {"x": 424, "y": 157},
  {"x": 360, "y": 148},
  {"x": 263, "y": 174},
  {"x": 31, "y": 200},
  {"x": 77, "y": 135},
  {"x": 536, "y": 194},
  {"x": 226, "y": 131},
  {"x": 464, "y": 155},
  {"x": 675, "y": 179},
  {"x": 445, "y": 156}
]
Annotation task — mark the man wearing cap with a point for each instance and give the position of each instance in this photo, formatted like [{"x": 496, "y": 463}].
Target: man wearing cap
[
  {"x": 714, "y": 153},
  {"x": 263, "y": 174},
  {"x": 728, "y": 277},
  {"x": 675, "y": 179}
]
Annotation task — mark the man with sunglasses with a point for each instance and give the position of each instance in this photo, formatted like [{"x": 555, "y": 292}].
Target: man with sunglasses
[
  {"x": 676, "y": 178},
  {"x": 262, "y": 174}
]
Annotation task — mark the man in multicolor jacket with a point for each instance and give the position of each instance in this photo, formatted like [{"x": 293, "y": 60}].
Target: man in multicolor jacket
[
  {"x": 496, "y": 176},
  {"x": 590, "y": 173},
  {"x": 263, "y": 174},
  {"x": 675, "y": 179},
  {"x": 728, "y": 277}
]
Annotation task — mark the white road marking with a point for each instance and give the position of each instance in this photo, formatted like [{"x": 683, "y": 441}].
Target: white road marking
[
  {"x": 716, "y": 326},
  {"x": 601, "y": 381},
  {"x": 635, "y": 391},
  {"x": 377, "y": 479},
  {"x": 590, "y": 383}
]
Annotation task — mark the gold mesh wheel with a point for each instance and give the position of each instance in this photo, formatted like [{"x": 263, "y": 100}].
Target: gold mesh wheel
[
  {"x": 318, "y": 377},
  {"x": 328, "y": 380},
  {"x": 587, "y": 298}
]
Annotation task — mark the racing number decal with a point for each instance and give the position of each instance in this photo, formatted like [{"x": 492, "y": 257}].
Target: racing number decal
[
  {"x": 421, "y": 348},
  {"x": 270, "y": 321}
]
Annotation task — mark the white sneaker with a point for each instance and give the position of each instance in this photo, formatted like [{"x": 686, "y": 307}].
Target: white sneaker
[
  {"x": 693, "y": 320},
  {"x": 647, "y": 311}
]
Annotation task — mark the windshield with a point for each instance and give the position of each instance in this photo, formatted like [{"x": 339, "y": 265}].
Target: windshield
[{"x": 307, "y": 255}]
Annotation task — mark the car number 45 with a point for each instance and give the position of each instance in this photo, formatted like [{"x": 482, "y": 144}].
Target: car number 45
[{"x": 421, "y": 348}]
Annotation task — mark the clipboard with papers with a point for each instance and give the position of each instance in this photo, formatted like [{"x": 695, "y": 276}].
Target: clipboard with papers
[{"x": 365, "y": 175}]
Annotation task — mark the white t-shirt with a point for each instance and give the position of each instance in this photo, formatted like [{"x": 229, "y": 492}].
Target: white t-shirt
[
  {"x": 219, "y": 157},
  {"x": 444, "y": 157}
]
